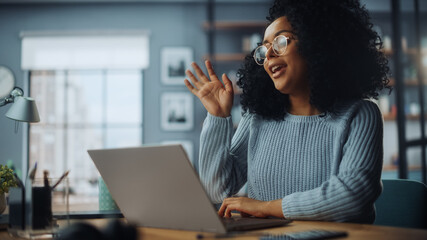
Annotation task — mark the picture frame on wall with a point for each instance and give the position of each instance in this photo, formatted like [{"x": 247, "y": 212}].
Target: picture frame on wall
[
  {"x": 186, "y": 144},
  {"x": 177, "y": 112},
  {"x": 174, "y": 62}
]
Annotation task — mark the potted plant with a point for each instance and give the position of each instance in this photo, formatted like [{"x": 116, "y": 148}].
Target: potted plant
[{"x": 7, "y": 180}]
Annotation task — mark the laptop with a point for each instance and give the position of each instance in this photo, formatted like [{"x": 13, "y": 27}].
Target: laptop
[{"x": 156, "y": 186}]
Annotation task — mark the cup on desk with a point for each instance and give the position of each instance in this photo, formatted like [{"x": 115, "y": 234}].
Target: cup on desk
[
  {"x": 106, "y": 202},
  {"x": 34, "y": 208}
]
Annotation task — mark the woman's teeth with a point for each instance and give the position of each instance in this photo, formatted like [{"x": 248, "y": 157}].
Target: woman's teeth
[{"x": 275, "y": 68}]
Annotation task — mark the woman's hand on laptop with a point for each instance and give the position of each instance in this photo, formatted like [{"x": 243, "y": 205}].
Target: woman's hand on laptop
[{"x": 251, "y": 207}]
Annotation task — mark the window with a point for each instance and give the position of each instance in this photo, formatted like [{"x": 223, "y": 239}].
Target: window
[
  {"x": 88, "y": 89},
  {"x": 83, "y": 109}
]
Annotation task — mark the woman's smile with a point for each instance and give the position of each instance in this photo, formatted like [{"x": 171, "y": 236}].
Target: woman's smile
[{"x": 278, "y": 70}]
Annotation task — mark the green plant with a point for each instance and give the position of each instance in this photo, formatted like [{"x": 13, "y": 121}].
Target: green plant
[{"x": 7, "y": 179}]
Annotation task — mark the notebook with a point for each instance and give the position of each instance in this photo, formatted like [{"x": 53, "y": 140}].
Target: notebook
[{"x": 156, "y": 186}]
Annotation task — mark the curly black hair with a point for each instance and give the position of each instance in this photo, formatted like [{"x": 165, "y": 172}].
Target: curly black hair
[{"x": 342, "y": 52}]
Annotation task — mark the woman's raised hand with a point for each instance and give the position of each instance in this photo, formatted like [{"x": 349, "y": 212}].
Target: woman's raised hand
[{"x": 215, "y": 96}]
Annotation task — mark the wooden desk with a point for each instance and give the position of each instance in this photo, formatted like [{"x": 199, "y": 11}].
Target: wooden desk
[{"x": 355, "y": 231}]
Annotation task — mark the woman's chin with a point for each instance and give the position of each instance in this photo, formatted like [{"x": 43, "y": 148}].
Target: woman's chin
[{"x": 281, "y": 87}]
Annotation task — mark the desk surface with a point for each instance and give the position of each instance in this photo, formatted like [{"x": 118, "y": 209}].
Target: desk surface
[{"x": 355, "y": 231}]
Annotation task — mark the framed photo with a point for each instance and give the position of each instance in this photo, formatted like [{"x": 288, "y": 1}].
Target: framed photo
[
  {"x": 175, "y": 60},
  {"x": 177, "y": 111},
  {"x": 186, "y": 144}
]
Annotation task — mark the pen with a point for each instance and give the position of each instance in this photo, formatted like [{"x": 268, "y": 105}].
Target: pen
[
  {"x": 45, "y": 178},
  {"x": 32, "y": 174},
  {"x": 61, "y": 178}
]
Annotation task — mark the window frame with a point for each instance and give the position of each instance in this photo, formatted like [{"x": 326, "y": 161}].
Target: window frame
[{"x": 91, "y": 214}]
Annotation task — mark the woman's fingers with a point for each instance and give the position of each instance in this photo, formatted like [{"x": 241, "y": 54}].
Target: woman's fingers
[
  {"x": 246, "y": 206},
  {"x": 190, "y": 87},
  {"x": 226, "y": 207},
  {"x": 211, "y": 71},
  {"x": 201, "y": 77},
  {"x": 199, "y": 72},
  {"x": 228, "y": 211},
  {"x": 227, "y": 82},
  {"x": 193, "y": 78},
  {"x": 222, "y": 209}
]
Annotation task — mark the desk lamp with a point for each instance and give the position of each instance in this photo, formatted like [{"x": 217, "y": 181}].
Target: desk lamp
[{"x": 24, "y": 109}]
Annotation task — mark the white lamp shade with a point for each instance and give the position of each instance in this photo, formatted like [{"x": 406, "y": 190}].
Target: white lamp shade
[{"x": 23, "y": 109}]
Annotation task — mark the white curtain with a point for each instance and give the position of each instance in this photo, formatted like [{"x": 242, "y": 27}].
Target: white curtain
[{"x": 68, "y": 51}]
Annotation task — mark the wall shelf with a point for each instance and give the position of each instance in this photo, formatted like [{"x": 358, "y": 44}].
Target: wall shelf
[
  {"x": 408, "y": 82},
  {"x": 395, "y": 168},
  {"x": 226, "y": 57},
  {"x": 235, "y": 25},
  {"x": 409, "y": 117},
  {"x": 409, "y": 51}
]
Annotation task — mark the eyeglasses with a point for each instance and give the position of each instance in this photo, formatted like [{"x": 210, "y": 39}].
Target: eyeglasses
[{"x": 280, "y": 43}]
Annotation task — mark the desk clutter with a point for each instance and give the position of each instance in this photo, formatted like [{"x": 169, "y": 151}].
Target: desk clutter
[
  {"x": 300, "y": 235},
  {"x": 115, "y": 229},
  {"x": 30, "y": 205}
]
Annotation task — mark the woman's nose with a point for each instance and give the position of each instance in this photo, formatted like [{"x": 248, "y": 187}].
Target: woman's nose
[{"x": 270, "y": 53}]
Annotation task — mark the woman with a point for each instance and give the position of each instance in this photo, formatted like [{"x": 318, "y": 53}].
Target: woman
[{"x": 309, "y": 145}]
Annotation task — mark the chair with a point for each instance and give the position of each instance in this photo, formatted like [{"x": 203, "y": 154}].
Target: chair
[{"x": 403, "y": 203}]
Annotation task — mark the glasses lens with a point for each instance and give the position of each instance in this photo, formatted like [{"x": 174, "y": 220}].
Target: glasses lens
[
  {"x": 279, "y": 45},
  {"x": 259, "y": 54}
]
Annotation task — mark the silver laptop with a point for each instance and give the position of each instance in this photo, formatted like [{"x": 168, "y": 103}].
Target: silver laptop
[{"x": 156, "y": 186}]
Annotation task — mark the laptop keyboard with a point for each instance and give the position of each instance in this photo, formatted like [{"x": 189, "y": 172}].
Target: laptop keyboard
[{"x": 239, "y": 223}]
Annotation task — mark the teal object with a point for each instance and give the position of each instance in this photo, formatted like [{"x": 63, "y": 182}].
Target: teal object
[
  {"x": 106, "y": 202},
  {"x": 403, "y": 203}
]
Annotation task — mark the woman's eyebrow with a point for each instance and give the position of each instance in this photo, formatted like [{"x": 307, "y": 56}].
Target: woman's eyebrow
[{"x": 277, "y": 34}]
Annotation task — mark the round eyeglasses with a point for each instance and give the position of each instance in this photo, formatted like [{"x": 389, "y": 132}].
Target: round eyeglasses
[{"x": 280, "y": 43}]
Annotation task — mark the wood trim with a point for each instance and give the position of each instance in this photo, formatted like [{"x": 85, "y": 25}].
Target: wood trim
[{"x": 235, "y": 25}]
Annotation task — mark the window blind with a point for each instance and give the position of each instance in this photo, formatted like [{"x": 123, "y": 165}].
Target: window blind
[{"x": 70, "y": 51}]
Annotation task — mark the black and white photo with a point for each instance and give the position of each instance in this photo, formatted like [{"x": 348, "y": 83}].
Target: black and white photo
[
  {"x": 175, "y": 60},
  {"x": 177, "y": 111}
]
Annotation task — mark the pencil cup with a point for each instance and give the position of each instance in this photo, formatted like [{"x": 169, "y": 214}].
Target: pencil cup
[{"x": 35, "y": 209}]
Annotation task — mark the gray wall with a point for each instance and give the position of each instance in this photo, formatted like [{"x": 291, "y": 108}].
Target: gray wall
[{"x": 170, "y": 24}]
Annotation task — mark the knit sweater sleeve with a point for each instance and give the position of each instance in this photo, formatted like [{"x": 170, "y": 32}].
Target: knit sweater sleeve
[
  {"x": 350, "y": 193},
  {"x": 223, "y": 157}
]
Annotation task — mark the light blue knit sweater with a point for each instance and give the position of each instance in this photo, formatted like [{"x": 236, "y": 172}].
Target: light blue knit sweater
[{"x": 323, "y": 167}]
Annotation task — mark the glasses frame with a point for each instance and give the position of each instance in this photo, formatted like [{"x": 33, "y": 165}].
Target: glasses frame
[{"x": 272, "y": 45}]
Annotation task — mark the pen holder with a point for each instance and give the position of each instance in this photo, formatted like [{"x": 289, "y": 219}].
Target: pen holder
[
  {"x": 42, "y": 207},
  {"x": 31, "y": 208}
]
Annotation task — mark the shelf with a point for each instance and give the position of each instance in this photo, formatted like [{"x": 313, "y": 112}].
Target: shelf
[
  {"x": 408, "y": 82},
  {"x": 413, "y": 51},
  {"x": 409, "y": 51},
  {"x": 413, "y": 117},
  {"x": 410, "y": 117},
  {"x": 227, "y": 57},
  {"x": 395, "y": 168},
  {"x": 234, "y": 25},
  {"x": 389, "y": 117},
  {"x": 413, "y": 82}
]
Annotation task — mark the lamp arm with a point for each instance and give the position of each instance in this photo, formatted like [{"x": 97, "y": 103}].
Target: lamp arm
[
  {"x": 16, "y": 92},
  {"x": 5, "y": 101}
]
